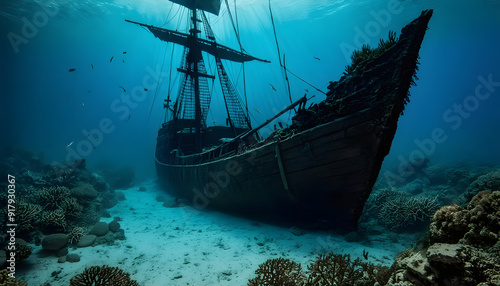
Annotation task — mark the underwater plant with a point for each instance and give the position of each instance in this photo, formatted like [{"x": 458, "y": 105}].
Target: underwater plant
[
  {"x": 102, "y": 275},
  {"x": 366, "y": 53}
]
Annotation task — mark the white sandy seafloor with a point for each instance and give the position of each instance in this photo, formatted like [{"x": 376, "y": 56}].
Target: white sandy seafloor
[{"x": 185, "y": 246}]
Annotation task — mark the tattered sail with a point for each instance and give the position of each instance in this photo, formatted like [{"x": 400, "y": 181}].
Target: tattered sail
[{"x": 211, "y": 6}]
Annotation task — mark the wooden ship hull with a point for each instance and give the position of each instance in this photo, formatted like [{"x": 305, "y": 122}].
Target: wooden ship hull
[{"x": 318, "y": 172}]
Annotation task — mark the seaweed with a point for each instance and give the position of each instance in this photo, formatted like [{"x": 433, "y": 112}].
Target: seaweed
[{"x": 366, "y": 53}]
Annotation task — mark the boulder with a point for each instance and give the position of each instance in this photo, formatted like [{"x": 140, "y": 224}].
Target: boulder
[
  {"x": 86, "y": 240},
  {"x": 55, "y": 241},
  {"x": 73, "y": 257},
  {"x": 99, "y": 229},
  {"x": 114, "y": 226}
]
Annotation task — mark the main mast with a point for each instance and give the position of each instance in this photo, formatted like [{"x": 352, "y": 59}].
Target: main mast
[
  {"x": 190, "y": 109},
  {"x": 193, "y": 57}
]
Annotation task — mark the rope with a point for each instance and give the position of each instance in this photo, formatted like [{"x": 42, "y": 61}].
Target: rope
[{"x": 279, "y": 54}]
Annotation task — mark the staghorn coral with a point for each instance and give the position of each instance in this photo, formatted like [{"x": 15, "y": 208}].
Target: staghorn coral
[
  {"x": 71, "y": 208},
  {"x": 330, "y": 269},
  {"x": 278, "y": 272},
  {"x": 75, "y": 235},
  {"x": 401, "y": 211},
  {"x": 27, "y": 215},
  {"x": 102, "y": 275},
  {"x": 54, "y": 219},
  {"x": 8, "y": 281},
  {"x": 335, "y": 269},
  {"x": 52, "y": 197}
]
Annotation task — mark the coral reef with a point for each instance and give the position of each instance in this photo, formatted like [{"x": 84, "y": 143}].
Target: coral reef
[
  {"x": 329, "y": 269},
  {"x": 335, "y": 269},
  {"x": 84, "y": 192},
  {"x": 27, "y": 216},
  {"x": 54, "y": 220},
  {"x": 71, "y": 208},
  {"x": 52, "y": 197},
  {"x": 477, "y": 225},
  {"x": 278, "y": 271},
  {"x": 8, "y": 281},
  {"x": 102, "y": 275},
  {"x": 401, "y": 211},
  {"x": 464, "y": 247}
]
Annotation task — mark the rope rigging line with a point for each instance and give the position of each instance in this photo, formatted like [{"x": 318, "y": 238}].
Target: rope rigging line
[
  {"x": 279, "y": 54},
  {"x": 243, "y": 64},
  {"x": 305, "y": 81},
  {"x": 158, "y": 81}
]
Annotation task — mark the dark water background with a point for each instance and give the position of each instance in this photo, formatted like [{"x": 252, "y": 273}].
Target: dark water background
[{"x": 44, "y": 107}]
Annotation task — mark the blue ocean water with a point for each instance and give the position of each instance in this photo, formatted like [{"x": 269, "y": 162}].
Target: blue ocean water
[
  {"x": 74, "y": 80},
  {"x": 45, "y": 107}
]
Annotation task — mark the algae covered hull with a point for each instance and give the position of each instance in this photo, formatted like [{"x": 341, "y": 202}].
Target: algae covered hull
[{"x": 319, "y": 171}]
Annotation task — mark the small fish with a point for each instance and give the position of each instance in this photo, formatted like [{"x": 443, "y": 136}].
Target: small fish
[
  {"x": 273, "y": 87},
  {"x": 83, "y": 104},
  {"x": 88, "y": 91},
  {"x": 71, "y": 143},
  {"x": 92, "y": 66},
  {"x": 257, "y": 110},
  {"x": 317, "y": 58},
  {"x": 128, "y": 118},
  {"x": 145, "y": 89},
  {"x": 110, "y": 60},
  {"x": 122, "y": 88},
  {"x": 123, "y": 61},
  {"x": 72, "y": 70},
  {"x": 124, "y": 52},
  {"x": 307, "y": 90}
]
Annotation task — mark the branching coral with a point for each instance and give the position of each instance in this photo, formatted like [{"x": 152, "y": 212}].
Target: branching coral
[
  {"x": 54, "y": 219},
  {"x": 278, "y": 272},
  {"x": 52, "y": 197},
  {"x": 71, "y": 207},
  {"x": 102, "y": 275},
  {"x": 402, "y": 211},
  {"x": 27, "y": 215},
  {"x": 335, "y": 269},
  {"x": 75, "y": 235},
  {"x": 330, "y": 269}
]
